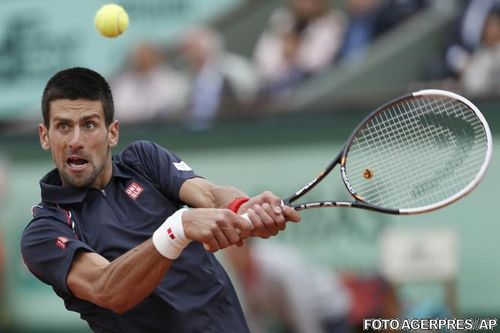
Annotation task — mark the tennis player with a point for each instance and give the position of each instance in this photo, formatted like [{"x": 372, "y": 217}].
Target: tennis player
[{"x": 111, "y": 235}]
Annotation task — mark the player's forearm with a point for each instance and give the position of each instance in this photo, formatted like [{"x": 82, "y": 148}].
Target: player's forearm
[
  {"x": 126, "y": 281},
  {"x": 198, "y": 192},
  {"x": 133, "y": 276},
  {"x": 225, "y": 194}
]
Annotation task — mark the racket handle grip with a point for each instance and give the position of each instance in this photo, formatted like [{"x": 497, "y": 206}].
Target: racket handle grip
[{"x": 245, "y": 216}]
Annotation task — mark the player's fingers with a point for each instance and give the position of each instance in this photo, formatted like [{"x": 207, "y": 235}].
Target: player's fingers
[
  {"x": 278, "y": 219},
  {"x": 267, "y": 220},
  {"x": 291, "y": 214},
  {"x": 259, "y": 229},
  {"x": 232, "y": 235},
  {"x": 277, "y": 208},
  {"x": 244, "y": 226},
  {"x": 207, "y": 238},
  {"x": 271, "y": 198},
  {"x": 211, "y": 244},
  {"x": 220, "y": 238},
  {"x": 276, "y": 213}
]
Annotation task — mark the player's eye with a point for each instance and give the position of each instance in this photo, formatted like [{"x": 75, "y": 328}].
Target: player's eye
[
  {"x": 63, "y": 127},
  {"x": 89, "y": 125}
]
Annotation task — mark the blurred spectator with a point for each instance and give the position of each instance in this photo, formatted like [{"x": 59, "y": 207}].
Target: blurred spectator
[
  {"x": 465, "y": 38},
  {"x": 361, "y": 28},
  {"x": 222, "y": 82},
  {"x": 481, "y": 75},
  {"x": 148, "y": 89},
  {"x": 368, "y": 19},
  {"x": 282, "y": 290},
  {"x": 372, "y": 296},
  {"x": 394, "y": 12},
  {"x": 301, "y": 40}
]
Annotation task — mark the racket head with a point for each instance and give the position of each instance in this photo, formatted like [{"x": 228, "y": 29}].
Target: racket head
[{"x": 417, "y": 153}]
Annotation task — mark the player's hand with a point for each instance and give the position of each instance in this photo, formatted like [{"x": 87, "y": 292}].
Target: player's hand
[
  {"x": 215, "y": 228},
  {"x": 268, "y": 215}
]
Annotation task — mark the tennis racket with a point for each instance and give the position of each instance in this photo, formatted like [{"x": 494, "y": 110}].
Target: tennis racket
[{"x": 415, "y": 154}]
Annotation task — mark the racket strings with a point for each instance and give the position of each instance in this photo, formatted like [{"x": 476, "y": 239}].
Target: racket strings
[
  {"x": 416, "y": 152},
  {"x": 424, "y": 187},
  {"x": 439, "y": 133},
  {"x": 390, "y": 141}
]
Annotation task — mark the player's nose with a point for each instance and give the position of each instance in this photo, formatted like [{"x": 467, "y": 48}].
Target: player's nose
[{"x": 75, "y": 142}]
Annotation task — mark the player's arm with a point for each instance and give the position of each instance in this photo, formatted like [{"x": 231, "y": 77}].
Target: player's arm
[
  {"x": 121, "y": 284},
  {"x": 199, "y": 192},
  {"x": 126, "y": 281},
  {"x": 264, "y": 210}
]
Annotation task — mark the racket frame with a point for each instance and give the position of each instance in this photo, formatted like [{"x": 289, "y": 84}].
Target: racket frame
[{"x": 359, "y": 201}]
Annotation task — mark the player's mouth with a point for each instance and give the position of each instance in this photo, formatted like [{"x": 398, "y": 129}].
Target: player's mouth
[{"x": 77, "y": 163}]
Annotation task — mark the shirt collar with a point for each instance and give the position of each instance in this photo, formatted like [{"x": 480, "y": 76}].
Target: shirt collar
[{"x": 53, "y": 191}]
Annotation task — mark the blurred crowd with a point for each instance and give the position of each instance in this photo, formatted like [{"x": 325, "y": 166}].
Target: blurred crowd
[
  {"x": 302, "y": 40},
  {"x": 472, "y": 54}
]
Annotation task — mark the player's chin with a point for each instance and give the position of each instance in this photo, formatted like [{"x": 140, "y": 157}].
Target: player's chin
[
  {"x": 79, "y": 182},
  {"x": 78, "y": 178}
]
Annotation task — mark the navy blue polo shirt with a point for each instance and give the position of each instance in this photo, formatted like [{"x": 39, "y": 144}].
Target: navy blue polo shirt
[{"x": 195, "y": 295}]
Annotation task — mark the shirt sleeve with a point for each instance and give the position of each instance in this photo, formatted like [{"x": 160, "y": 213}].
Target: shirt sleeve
[
  {"x": 164, "y": 168},
  {"x": 48, "y": 246}
]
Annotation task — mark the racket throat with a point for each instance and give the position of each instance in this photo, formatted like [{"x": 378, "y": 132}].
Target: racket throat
[
  {"x": 322, "y": 204},
  {"x": 346, "y": 181},
  {"x": 345, "y": 204}
]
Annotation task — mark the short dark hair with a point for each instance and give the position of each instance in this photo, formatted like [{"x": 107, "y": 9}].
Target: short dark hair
[{"x": 74, "y": 83}]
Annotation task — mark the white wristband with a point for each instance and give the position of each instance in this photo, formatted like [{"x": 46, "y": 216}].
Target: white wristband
[{"x": 169, "y": 239}]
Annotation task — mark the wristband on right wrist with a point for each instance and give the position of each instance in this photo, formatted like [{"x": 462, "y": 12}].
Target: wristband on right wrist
[
  {"x": 169, "y": 239},
  {"x": 236, "y": 203}
]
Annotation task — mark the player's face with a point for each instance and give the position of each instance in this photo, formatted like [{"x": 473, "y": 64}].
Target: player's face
[{"x": 80, "y": 142}]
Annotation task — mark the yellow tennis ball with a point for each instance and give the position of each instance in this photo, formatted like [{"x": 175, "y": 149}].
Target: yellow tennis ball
[{"x": 111, "y": 20}]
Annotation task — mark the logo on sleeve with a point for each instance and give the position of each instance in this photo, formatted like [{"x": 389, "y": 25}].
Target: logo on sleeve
[
  {"x": 61, "y": 242},
  {"x": 134, "y": 190},
  {"x": 182, "y": 166}
]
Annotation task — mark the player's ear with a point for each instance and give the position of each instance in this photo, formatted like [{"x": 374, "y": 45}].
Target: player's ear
[
  {"x": 113, "y": 133},
  {"x": 43, "y": 134}
]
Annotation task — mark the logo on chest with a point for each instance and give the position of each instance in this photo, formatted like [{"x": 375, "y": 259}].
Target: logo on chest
[{"x": 134, "y": 190}]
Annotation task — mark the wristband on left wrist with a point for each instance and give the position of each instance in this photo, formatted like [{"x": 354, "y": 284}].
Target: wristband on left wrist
[{"x": 169, "y": 239}]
